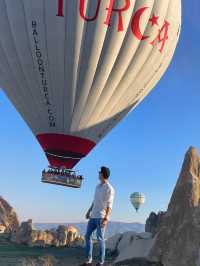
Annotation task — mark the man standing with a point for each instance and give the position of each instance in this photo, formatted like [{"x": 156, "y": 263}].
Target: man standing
[{"x": 98, "y": 215}]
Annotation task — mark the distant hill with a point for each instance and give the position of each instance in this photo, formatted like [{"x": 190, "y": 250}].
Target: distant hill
[{"x": 113, "y": 227}]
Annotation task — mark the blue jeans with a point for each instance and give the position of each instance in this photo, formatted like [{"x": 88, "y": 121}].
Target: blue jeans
[{"x": 95, "y": 224}]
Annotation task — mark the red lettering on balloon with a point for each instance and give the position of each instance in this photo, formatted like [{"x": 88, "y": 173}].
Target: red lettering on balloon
[
  {"x": 82, "y": 8},
  {"x": 135, "y": 24},
  {"x": 119, "y": 11},
  {"x": 60, "y": 8},
  {"x": 162, "y": 36},
  {"x": 160, "y": 39}
]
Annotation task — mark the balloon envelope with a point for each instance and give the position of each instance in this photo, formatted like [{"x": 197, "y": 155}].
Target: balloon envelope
[
  {"x": 74, "y": 69},
  {"x": 137, "y": 199}
]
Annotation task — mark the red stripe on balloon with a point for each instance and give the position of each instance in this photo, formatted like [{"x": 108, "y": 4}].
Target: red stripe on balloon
[
  {"x": 65, "y": 144},
  {"x": 60, "y": 8}
]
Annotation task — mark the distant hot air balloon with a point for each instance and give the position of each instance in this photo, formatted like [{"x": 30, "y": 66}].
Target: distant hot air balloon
[
  {"x": 75, "y": 68},
  {"x": 137, "y": 200}
]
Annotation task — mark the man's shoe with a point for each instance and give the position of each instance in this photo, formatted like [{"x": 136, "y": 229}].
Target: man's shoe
[{"x": 99, "y": 264}]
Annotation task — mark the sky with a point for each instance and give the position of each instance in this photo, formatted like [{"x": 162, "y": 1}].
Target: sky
[{"x": 144, "y": 152}]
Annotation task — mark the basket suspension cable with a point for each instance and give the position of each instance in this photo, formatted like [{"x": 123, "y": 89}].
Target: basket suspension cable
[{"x": 64, "y": 157}]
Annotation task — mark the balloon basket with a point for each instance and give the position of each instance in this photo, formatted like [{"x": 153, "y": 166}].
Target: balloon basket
[{"x": 62, "y": 177}]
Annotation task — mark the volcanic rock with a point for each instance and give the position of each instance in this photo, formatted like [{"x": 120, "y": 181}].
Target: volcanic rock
[
  {"x": 8, "y": 217},
  {"x": 129, "y": 246},
  {"x": 2, "y": 229},
  {"x": 25, "y": 234},
  {"x": 79, "y": 241},
  {"x": 63, "y": 236},
  {"x": 178, "y": 240},
  {"x": 153, "y": 222},
  {"x": 72, "y": 235}
]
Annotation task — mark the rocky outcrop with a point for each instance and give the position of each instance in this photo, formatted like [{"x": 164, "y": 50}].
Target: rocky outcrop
[
  {"x": 154, "y": 222},
  {"x": 24, "y": 234},
  {"x": 67, "y": 236},
  {"x": 129, "y": 246},
  {"x": 178, "y": 240},
  {"x": 79, "y": 241},
  {"x": 62, "y": 236},
  {"x": 72, "y": 234},
  {"x": 2, "y": 229},
  {"x": 8, "y": 217}
]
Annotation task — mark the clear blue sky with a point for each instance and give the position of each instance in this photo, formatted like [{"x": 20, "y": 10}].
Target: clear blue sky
[{"x": 144, "y": 152}]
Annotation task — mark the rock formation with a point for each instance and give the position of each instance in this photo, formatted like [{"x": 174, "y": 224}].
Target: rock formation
[
  {"x": 178, "y": 240},
  {"x": 8, "y": 217},
  {"x": 62, "y": 236},
  {"x": 129, "y": 246},
  {"x": 154, "y": 222},
  {"x": 2, "y": 229},
  {"x": 66, "y": 236},
  {"x": 26, "y": 234},
  {"x": 62, "y": 233},
  {"x": 79, "y": 241},
  {"x": 72, "y": 234}
]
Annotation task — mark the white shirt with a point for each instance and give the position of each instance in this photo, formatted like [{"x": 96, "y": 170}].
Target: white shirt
[{"x": 103, "y": 199}]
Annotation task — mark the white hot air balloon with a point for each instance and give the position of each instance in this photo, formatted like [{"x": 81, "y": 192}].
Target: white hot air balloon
[
  {"x": 75, "y": 68},
  {"x": 137, "y": 200}
]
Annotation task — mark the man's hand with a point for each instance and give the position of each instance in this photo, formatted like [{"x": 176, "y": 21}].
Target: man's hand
[
  {"x": 105, "y": 219},
  {"x": 87, "y": 216},
  {"x": 104, "y": 222}
]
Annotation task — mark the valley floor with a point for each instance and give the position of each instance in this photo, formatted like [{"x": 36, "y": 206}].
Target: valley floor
[{"x": 18, "y": 255}]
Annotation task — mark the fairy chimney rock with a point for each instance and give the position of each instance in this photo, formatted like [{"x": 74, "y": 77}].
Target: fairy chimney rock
[{"x": 178, "y": 240}]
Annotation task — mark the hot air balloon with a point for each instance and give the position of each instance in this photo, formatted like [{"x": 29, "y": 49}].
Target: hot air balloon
[
  {"x": 137, "y": 200},
  {"x": 74, "y": 69}
]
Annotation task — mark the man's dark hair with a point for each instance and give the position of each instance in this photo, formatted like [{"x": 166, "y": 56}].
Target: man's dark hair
[{"x": 105, "y": 171}]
